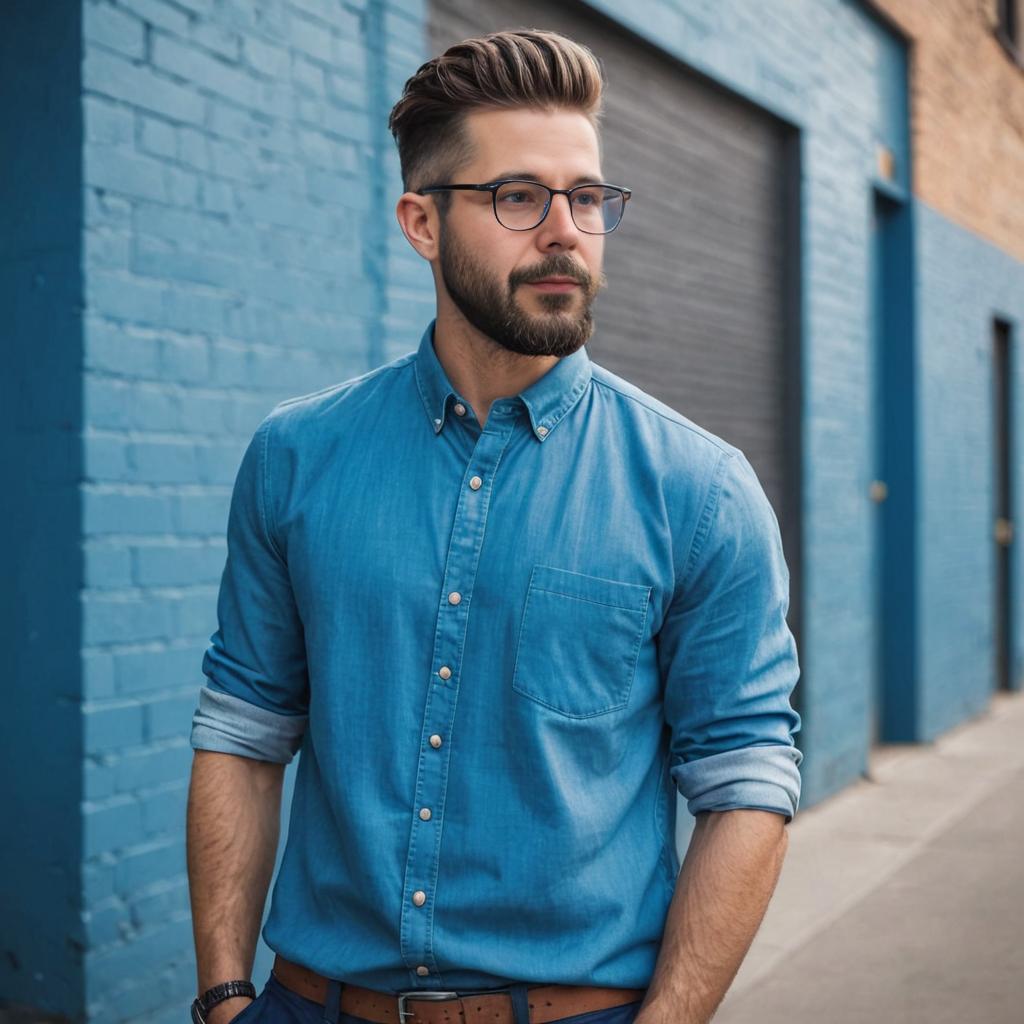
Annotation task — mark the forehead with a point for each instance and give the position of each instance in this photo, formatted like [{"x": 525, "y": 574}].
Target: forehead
[{"x": 556, "y": 144}]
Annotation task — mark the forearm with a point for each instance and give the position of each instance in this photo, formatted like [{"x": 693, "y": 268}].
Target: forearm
[
  {"x": 727, "y": 878},
  {"x": 233, "y": 824}
]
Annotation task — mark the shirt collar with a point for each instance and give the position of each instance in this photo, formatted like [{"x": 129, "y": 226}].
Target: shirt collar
[{"x": 547, "y": 399}]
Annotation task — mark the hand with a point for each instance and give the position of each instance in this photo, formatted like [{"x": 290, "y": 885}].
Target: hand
[{"x": 225, "y": 1012}]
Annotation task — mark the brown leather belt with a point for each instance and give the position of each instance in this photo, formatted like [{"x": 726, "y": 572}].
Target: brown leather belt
[{"x": 547, "y": 1002}]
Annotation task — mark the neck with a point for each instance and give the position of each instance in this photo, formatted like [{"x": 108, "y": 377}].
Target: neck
[{"x": 478, "y": 367}]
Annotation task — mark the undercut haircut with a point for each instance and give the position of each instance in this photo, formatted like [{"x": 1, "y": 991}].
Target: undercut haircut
[{"x": 512, "y": 68}]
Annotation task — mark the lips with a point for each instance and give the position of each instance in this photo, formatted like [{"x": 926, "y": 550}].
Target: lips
[
  {"x": 555, "y": 280},
  {"x": 562, "y": 287}
]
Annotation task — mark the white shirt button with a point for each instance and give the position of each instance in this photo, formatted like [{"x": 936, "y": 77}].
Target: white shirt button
[
  {"x": 475, "y": 483},
  {"x": 444, "y": 672},
  {"x": 543, "y": 431},
  {"x": 454, "y": 597},
  {"x": 437, "y": 423},
  {"x": 419, "y": 897},
  {"x": 422, "y": 971},
  {"x": 425, "y": 813},
  {"x": 435, "y": 741},
  {"x": 459, "y": 408}
]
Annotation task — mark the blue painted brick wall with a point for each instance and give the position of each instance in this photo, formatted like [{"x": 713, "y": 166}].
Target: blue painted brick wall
[
  {"x": 963, "y": 282},
  {"x": 237, "y": 191}
]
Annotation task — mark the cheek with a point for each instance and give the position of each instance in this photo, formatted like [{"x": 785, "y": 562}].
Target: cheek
[
  {"x": 509, "y": 258},
  {"x": 593, "y": 254},
  {"x": 495, "y": 253}
]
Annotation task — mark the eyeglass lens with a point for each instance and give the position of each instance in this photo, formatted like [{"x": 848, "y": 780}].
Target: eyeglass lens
[{"x": 595, "y": 209}]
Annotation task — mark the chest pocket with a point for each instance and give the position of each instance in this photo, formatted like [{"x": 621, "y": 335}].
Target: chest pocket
[{"x": 578, "y": 641}]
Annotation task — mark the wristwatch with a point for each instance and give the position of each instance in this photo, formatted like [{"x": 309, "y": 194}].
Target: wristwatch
[{"x": 203, "y": 1004}]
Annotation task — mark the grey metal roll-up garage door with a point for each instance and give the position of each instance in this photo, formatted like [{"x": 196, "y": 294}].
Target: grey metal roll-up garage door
[{"x": 700, "y": 307}]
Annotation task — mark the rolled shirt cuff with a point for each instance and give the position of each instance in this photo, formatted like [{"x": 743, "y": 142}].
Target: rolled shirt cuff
[
  {"x": 230, "y": 725},
  {"x": 763, "y": 777}
]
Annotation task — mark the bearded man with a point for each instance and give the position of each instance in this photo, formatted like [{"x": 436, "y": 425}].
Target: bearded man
[{"x": 507, "y": 604}]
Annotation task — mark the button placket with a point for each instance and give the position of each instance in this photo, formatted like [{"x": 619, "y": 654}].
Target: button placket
[{"x": 456, "y": 591}]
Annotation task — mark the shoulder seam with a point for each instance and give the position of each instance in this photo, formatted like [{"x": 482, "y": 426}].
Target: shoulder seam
[
  {"x": 266, "y": 502},
  {"x": 718, "y": 443},
  {"x": 707, "y": 515}
]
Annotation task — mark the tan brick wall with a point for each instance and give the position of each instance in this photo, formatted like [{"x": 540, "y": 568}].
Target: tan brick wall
[{"x": 967, "y": 115}]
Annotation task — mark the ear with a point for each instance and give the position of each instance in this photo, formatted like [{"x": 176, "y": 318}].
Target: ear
[{"x": 419, "y": 221}]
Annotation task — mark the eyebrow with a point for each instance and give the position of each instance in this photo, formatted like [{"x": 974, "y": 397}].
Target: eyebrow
[{"x": 529, "y": 175}]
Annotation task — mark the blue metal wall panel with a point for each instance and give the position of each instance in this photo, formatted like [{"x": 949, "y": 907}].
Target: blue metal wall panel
[{"x": 42, "y": 728}]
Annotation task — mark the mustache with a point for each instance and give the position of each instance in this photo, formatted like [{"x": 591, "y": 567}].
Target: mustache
[{"x": 562, "y": 268}]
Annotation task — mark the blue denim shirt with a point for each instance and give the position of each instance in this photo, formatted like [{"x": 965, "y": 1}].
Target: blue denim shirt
[{"x": 499, "y": 649}]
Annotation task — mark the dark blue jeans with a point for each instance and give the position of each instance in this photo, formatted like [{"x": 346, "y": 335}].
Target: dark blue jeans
[{"x": 279, "y": 1005}]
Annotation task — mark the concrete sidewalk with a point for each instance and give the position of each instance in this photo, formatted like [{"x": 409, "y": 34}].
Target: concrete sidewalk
[{"x": 901, "y": 899}]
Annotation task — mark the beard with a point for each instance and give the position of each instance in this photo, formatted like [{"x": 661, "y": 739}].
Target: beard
[{"x": 564, "y": 324}]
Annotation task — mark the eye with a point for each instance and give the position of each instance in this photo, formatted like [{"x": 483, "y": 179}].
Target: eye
[
  {"x": 521, "y": 193},
  {"x": 589, "y": 197}
]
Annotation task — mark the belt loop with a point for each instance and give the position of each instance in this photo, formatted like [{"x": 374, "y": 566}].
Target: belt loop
[
  {"x": 332, "y": 1004},
  {"x": 520, "y": 1002}
]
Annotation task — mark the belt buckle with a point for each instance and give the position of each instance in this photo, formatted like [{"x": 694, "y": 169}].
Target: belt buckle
[{"x": 413, "y": 993}]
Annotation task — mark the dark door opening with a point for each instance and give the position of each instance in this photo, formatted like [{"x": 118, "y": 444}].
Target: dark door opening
[
  {"x": 892, "y": 488},
  {"x": 1003, "y": 503}
]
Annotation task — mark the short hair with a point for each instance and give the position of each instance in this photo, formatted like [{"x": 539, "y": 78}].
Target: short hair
[{"x": 512, "y": 68}]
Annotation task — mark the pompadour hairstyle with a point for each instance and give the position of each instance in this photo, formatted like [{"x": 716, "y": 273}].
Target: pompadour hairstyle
[{"x": 512, "y": 68}]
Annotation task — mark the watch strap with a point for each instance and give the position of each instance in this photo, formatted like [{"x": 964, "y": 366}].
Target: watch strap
[{"x": 225, "y": 990}]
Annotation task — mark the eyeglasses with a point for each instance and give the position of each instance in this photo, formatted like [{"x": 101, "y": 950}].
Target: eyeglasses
[{"x": 521, "y": 205}]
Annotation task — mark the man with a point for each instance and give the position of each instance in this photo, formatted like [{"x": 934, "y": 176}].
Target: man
[{"x": 506, "y": 603}]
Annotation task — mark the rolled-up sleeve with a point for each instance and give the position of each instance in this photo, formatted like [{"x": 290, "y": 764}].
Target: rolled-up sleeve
[
  {"x": 727, "y": 658},
  {"x": 256, "y": 696}
]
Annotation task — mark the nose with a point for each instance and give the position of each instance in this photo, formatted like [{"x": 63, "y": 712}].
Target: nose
[{"x": 558, "y": 227}]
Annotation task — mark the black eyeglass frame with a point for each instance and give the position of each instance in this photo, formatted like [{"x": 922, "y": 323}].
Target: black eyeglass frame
[{"x": 493, "y": 186}]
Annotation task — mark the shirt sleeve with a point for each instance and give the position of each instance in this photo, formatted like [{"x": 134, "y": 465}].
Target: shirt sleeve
[
  {"x": 256, "y": 696},
  {"x": 727, "y": 658}
]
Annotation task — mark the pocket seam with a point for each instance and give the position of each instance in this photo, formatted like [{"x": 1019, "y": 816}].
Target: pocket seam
[
  {"x": 589, "y": 600},
  {"x": 538, "y": 582}
]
